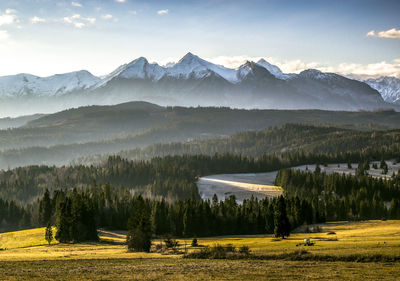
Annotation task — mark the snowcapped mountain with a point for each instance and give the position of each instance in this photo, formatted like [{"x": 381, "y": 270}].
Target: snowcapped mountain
[
  {"x": 388, "y": 87},
  {"x": 192, "y": 81},
  {"x": 138, "y": 69},
  {"x": 191, "y": 66},
  {"x": 29, "y": 85},
  {"x": 274, "y": 70}
]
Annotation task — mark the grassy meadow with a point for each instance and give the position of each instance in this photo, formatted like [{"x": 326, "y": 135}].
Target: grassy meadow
[{"x": 26, "y": 255}]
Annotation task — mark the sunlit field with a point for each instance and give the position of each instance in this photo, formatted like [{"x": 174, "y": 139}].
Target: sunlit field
[{"x": 25, "y": 254}]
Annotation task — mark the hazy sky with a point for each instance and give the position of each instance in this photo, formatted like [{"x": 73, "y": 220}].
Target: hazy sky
[{"x": 44, "y": 37}]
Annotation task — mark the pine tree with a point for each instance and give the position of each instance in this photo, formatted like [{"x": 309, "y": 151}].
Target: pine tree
[
  {"x": 49, "y": 233},
  {"x": 281, "y": 220},
  {"x": 64, "y": 222},
  {"x": 45, "y": 208},
  {"x": 139, "y": 228}
]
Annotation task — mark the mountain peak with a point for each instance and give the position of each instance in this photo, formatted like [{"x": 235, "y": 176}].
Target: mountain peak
[
  {"x": 140, "y": 60},
  {"x": 314, "y": 74},
  {"x": 270, "y": 67},
  {"x": 190, "y": 58}
]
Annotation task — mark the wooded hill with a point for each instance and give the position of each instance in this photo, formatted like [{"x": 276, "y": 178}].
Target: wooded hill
[
  {"x": 277, "y": 140},
  {"x": 62, "y": 137}
]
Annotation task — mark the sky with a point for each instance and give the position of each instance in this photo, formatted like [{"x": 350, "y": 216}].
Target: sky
[{"x": 45, "y": 37}]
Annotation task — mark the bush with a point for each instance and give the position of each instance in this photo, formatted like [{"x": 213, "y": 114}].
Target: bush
[
  {"x": 138, "y": 240},
  {"x": 245, "y": 250},
  {"x": 170, "y": 243},
  {"x": 220, "y": 252},
  {"x": 194, "y": 243}
]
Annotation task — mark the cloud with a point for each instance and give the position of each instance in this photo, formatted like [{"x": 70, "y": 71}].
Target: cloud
[
  {"x": 391, "y": 33},
  {"x": 377, "y": 69},
  {"x": 4, "y": 35},
  {"x": 133, "y": 12},
  {"x": 370, "y": 70},
  {"x": 8, "y": 17},
  {"x": 107, "y": 17},
  {"x": 36, "y": 19},
  {"x": 78, "y": 21},
  {"x": 76, "y": 4},
  {"x": 11, "y": 11},
  {"x": 120, "y": 1},
  {"x": 163, "y": 12}
]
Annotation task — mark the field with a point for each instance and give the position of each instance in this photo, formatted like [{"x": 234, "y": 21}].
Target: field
[
  {"x": 109, "y": 259},
  {"x": 261, "y": 185},
  {"x": 243, "y": 186}
]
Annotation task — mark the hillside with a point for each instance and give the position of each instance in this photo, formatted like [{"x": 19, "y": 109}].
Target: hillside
[{"x": 62, "y": 137}]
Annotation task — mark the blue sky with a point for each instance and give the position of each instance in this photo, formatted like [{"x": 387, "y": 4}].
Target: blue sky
[{"x": 44, "y": 37}]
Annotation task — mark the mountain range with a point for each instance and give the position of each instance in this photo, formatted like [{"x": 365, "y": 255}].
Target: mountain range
[
  {"x": 388, "y": 87},
  {"x": 193, "y": 81}
]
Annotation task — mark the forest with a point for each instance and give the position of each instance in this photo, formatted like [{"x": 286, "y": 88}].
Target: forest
[
  {"x": 309, "y": 198},
  {"x": 80, "y": 198}
]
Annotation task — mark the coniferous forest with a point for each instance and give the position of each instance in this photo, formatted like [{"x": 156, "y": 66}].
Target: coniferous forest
[{"x": 160, "y": 196}]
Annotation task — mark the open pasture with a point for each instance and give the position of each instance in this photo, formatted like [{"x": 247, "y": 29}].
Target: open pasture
[{"x": 109, "y": 258}]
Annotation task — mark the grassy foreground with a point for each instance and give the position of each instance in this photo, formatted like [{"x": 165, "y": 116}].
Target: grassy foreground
[{"x": 26, "y": 256}]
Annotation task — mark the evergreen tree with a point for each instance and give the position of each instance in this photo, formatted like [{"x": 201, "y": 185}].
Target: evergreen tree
[
  {"x": 281, "y": 220},
  {"x": 139, "y": 227},
  {"x": 45, "y": 209},
  {"x": 49, "y": 233},
  {"x": 63, "y": 222}
]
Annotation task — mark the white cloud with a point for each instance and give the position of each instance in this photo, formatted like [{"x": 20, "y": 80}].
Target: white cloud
[
  {"x": 296, "y": 66},
  {"x": 133, "y": 12},
  {"x": 11, "y": 11},
  {"x": 78, "y": 21},
  {"x": 8, "y": 17},
  {"x": 107, "y": 17},
  {"x": 377, "y": 69},
  {"x": 4, "y": 35},
  {"x": 163, "y": 12},
  {"x": 120, "y": 1},
  {"x": 76, "y": 4},
  {"x": 391, "y": 33},
  {"x": 36, "y": 19}
]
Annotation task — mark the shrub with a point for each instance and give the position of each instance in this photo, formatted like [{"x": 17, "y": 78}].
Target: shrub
[
  {"x": 170, "y": 243},
  {"x": 245, "y": 250},
  {"x": 220, "y": 252},
  {"x": 194, "y": 242}
]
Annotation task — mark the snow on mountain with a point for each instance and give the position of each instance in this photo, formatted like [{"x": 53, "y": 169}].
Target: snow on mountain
[
  {"x": 309, "y": 83},
  {"x": 138, "y": 69},
  {"x": 56, "y": 85},
  {"x": 244, "y": 70},
  {"x": 274, "y": 70},
  {"x": 388, "y": 87},
  {"x": 193, "y": 66},
  {"x": 316, "y": 74}
]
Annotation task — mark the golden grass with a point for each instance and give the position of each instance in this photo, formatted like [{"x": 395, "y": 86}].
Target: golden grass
[
  {"x": 27, "y": 257},
  {"x": 363, "y": 238},
  {"x": 182, "y": 269},
  {"x": 23, "y": 238},
  {"x": 371, "y": 237}
]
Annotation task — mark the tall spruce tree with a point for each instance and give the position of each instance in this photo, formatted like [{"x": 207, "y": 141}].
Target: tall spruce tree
[
  {"x": 45, "y": 208},
  {"x": 139, "y": 227},
  {"x": 281, "y": 220}
]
